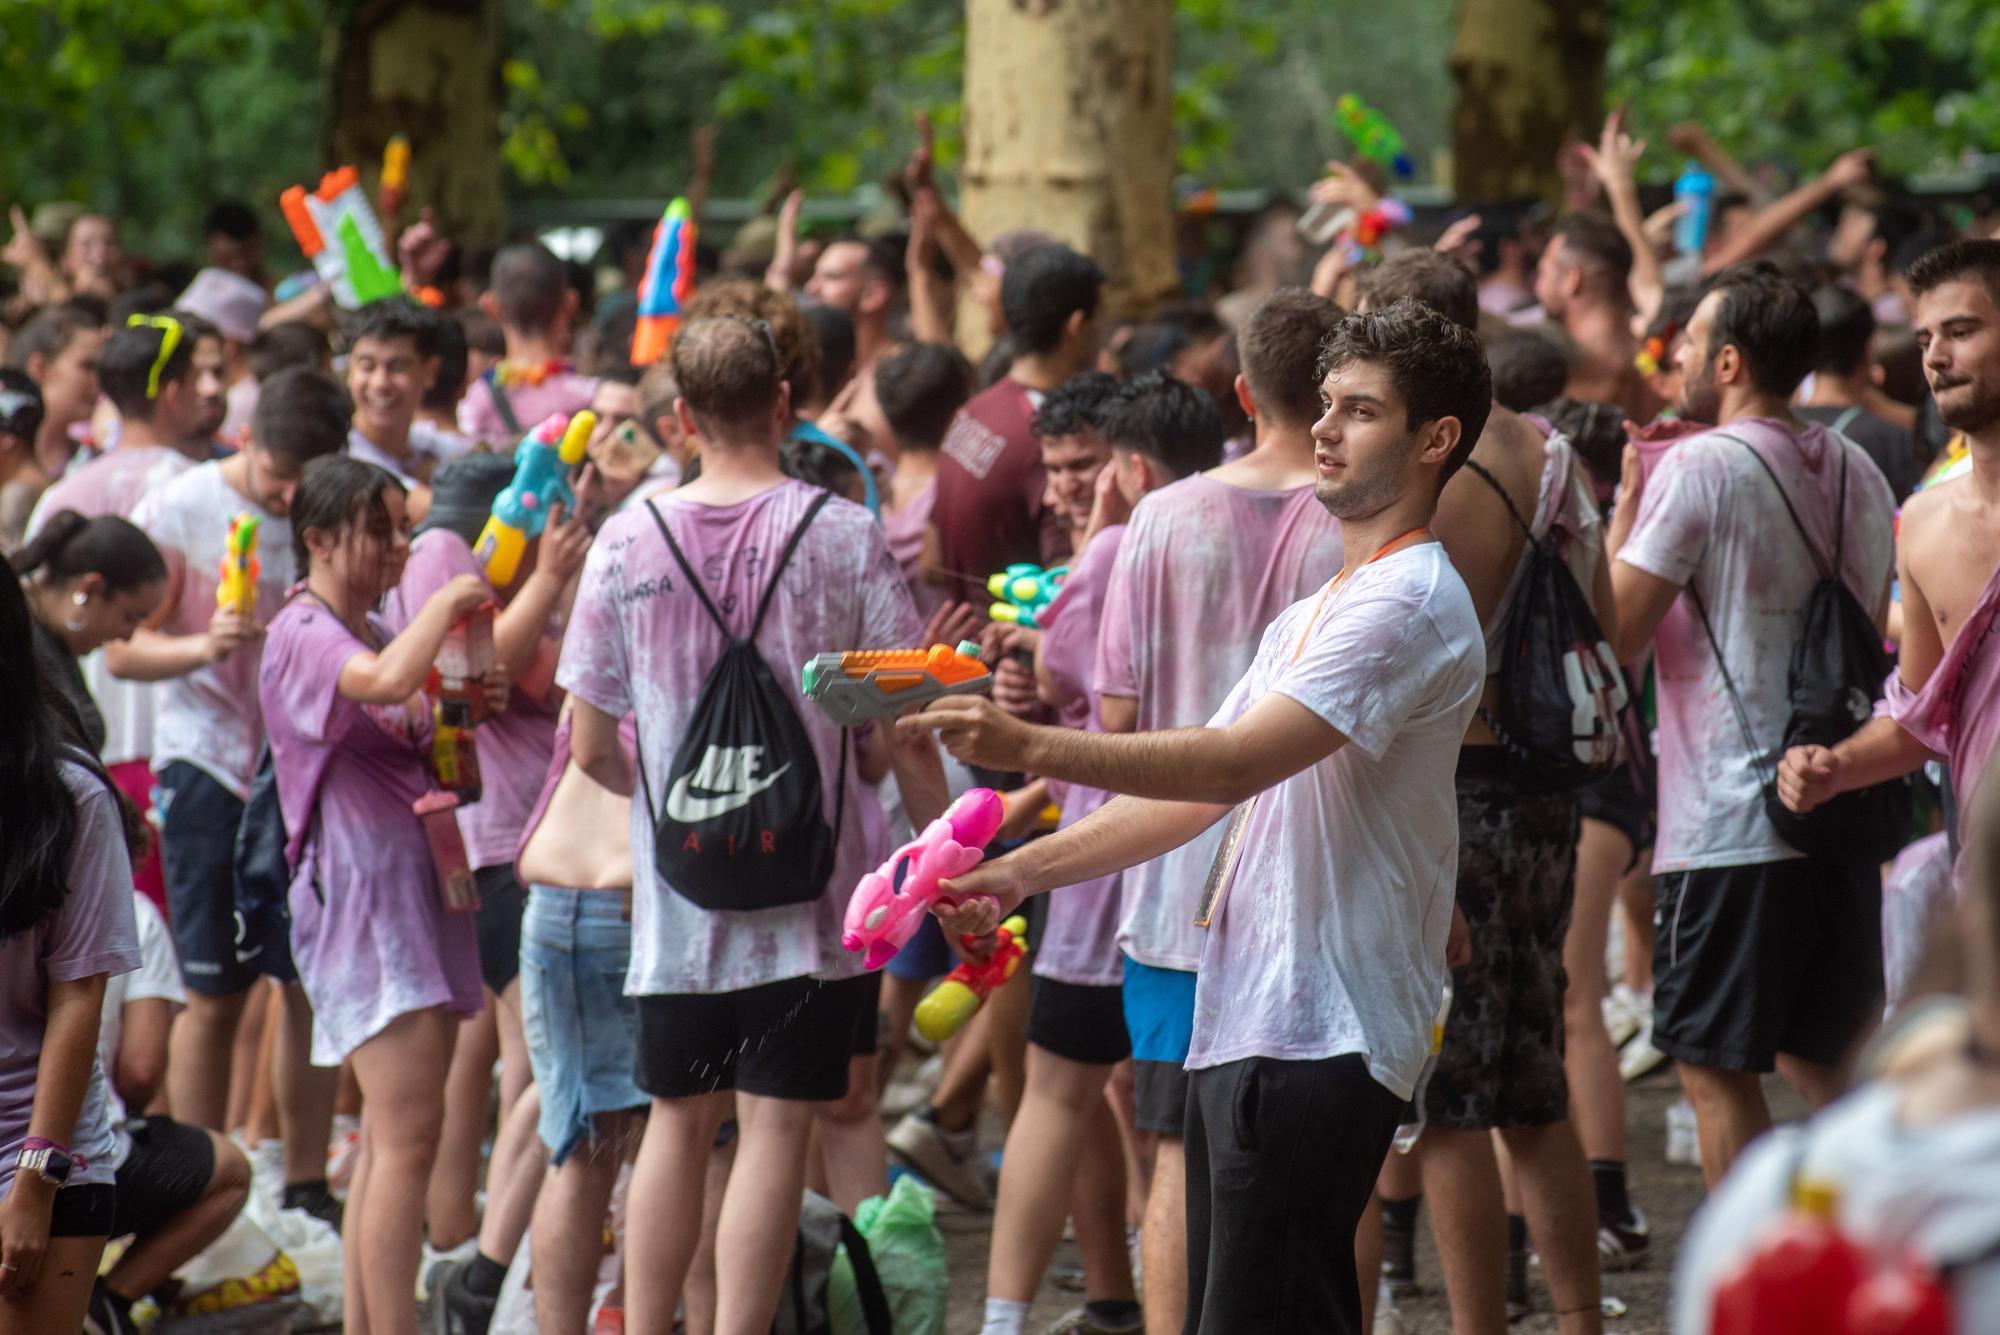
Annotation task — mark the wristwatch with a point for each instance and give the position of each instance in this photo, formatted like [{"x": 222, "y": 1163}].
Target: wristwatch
[{"x": 51, "y": 1161}]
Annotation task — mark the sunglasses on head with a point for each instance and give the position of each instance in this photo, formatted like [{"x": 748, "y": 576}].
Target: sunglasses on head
[{"x": 170, "y": 339}]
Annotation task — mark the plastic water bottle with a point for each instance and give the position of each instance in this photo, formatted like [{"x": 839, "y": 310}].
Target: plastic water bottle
[
  {"x": 1414, "y": 1117},
  {"x": 1695, "y": 188}
]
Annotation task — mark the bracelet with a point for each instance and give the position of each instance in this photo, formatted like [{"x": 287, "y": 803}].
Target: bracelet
[{"x": 44, "y": 1143}]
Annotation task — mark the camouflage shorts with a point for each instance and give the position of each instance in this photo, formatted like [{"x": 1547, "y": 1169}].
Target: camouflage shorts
[{"x": 1502, "y": 1060}]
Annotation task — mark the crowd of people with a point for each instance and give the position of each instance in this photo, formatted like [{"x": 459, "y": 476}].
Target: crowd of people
[{"x": 1412, "y": 753}]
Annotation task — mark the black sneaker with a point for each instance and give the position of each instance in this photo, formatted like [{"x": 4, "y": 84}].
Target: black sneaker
[
  {"x": 1622, "y": 1244},
  {"x": 1399, "y": 1259},
  {"x": 456, "y": 1310},
  {"x": 1519, "y": 1301},
  {"x": 317, "y": 1200},
  {"x": 107, "y": 1315}
]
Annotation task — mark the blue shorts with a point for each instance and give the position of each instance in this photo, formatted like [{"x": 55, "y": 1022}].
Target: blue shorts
[
  {"x": 582, "y": 1030},
  {"x": 1159, "y": 1012},
  {"x": 925, "y": 956}
]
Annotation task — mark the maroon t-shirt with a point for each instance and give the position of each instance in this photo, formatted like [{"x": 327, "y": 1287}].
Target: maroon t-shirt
[{"x": 989, "y": 512}]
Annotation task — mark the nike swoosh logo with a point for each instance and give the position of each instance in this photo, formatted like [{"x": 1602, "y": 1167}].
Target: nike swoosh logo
[
  {"x": 688, "y": 809},
  {"x": 245, "y": 956}
]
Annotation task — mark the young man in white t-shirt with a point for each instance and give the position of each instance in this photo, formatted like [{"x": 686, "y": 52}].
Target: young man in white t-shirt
[
  {"x": 207, "y": 736},
  {"x": 759, "y": 1011},
  {"x": 1763, "y": 956},
  {"x": 1329, "y": 911}
]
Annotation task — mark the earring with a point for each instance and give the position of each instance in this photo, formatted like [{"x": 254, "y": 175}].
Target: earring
[{"x": 75, "y": 621}]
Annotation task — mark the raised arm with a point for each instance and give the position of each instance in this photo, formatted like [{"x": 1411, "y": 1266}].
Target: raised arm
[
  {"x": 398, "y": 671},
  {"x": 1769, "y": 225},
  {"x": 1614, "y": 162}
]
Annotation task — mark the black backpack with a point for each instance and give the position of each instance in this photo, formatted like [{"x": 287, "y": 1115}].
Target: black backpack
[
  {"x": 1835, "y": 677},
  {"x": 742, "y": 827},
  {"x": 1562, "y": 695}
]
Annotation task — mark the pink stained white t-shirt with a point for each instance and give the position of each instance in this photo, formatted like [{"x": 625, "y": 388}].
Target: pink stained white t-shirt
[
  {"x": 210, "y": 717},
  {"x": 370, "y": 934},
  {"x": 1329, "y": 936},
  {"x": 514, "y": 746},
  {"x": 1202, "y": 570},
  {"x": 92, "y": 933},
  {"x": 563, "y": 391},
  {"x": 906, "y": 526},
  {"x": 1711, "y": 520},
  {"x": 114, "y": 485},
  {"x": 1080, "y": 937},
  {"x": 1957, "y": 713},
  {"x": 640, "y": 642}
]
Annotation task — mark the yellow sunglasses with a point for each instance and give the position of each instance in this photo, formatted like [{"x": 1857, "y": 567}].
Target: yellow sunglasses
[{"x": 170, "y": 339}]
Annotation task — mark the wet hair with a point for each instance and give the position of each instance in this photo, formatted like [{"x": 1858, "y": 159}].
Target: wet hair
[
  {"x": 50, "y": 330},
  {"x": 798, "y": 349},
  {"x": 1042, "y": 289},
  {"x": 462, "y": 493},
  {"x": 1596, "y": 431},
  {"x": 833, "y": 329},
  {"x": 1598, "y": 247},
  {"x": 283, "y": 346},
  {"x": 817, "y": 462},
  {"x": 1529, "y": 368},
  {"x": 483, "y": 333},
  {"x": 20, "y": 404},
  {"x": 1438, "y": 281},
  {"x": 302, "y": 414},
  {"x": 126, "y": 365},
  {"x": 1435, "y": 363},
  {"x": 1917, "y": 245},
  {"x": 70, "y": 545},
  {"x": 393, "y": 319},
  {"x": 1166, "y": 420},
  {"x": 1148, "y": 346},
  {"x": 920, "y": 388},
  {"x": 151, "y": 299},
  {"x": 1279, "y": 347},
  {"x": 728, "y": 368},
  {"x": 657, "y": 391},
  {"x": 231, "y": 218},
  {"x": 1075, "y": 406},
  {"x": 1960, "y": 261},
  {"x": 1769, "y": 318},
  {"x": 529, "y": 284},
  {"x": 1846, "y": 330},
  {"x": 454, "y": 364},
  {"x": 335, "y": 491},
  {"x": 1677, "y": 307}
]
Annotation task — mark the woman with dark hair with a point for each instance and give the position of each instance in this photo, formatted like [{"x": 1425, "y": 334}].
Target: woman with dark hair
[
  {"x": 66, "y": 925},
  {"x": 88, "y": 581},
  {"x": 388, "y": 961}
]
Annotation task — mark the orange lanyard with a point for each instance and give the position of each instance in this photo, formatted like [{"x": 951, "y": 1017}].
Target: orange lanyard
[{"x": 1341, "y": 578}]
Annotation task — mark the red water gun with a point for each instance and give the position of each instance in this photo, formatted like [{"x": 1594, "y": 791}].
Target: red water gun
[{"x": 959, "y": 997}]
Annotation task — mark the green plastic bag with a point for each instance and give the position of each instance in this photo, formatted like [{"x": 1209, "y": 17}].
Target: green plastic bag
[{"x": 908, "y": 1251}]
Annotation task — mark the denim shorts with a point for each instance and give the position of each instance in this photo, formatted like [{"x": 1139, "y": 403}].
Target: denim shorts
[{"x": 582, "y": 1029}]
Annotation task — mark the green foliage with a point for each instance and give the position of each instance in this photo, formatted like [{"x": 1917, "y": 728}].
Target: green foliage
[{"x": 1803, "y": 80}]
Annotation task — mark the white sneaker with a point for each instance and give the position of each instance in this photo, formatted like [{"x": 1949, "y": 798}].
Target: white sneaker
[
  {"x": 1388, "y": 1321},
  {"x": 948, "y": 1160},
  {"x": 433, "y": 1258},
  {"x": 1625, "y": 1014},
  {"x": 1683, "y": 1139},
  {"x": 1640, "y": 1058}
]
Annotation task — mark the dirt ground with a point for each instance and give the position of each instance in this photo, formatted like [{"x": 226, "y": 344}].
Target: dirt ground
[{"x": 1667, "y": 1194}]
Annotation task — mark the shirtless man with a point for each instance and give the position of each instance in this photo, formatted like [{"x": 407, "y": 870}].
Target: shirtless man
[
  {"x": 1947, "y": 559},
  {"x": 1582, "y": 283}
]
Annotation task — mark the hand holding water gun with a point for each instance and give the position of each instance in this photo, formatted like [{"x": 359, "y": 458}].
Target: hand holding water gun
[
  {"x": 966, "y": 988},
  {"x": 238, "y": 590},
  {"x": 890, "y": 902},
  {"x": 338, "y": 231},
  {"x": 542, "y": 462},
  {"x": 1372, "y": 135},
  {"x": 865, "y": 684},
  {"x": 1025, "y": 591}
]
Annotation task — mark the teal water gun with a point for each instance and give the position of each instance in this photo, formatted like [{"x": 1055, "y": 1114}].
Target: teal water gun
[
  {"x": 1372, "y": 135},
  {"x": 1025, "y": 591},
  {"x": 542, "y": 463}
]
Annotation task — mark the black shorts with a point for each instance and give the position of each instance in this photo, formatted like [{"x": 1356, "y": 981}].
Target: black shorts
[
  {"x": 1616, "y": 801},
  {"x": 84, "y": 1212},
  {"x": 1078, "y": 1021},
  {"x": 1749, "y": 962},
  {"x": 198, "y": 820},
  {"x": 1281, "y": 1159},
  {"x": 1160, "y": 1093},
  {"x": 170, "y": 1166},
  {"x": 502, "y": 901},
  {"x": 1502, "y": 1060},
  {"x": 867, "y": 1039},
  {"x": 785, "y": 1040}
]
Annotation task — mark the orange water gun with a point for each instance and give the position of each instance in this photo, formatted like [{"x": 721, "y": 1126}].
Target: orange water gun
[{"x": 864, "y": 684}]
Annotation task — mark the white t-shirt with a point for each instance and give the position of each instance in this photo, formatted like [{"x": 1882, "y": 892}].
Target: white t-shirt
[
  {"x": 1711, "y": 520},
  {"x": 1931, "y": 1192},
  {"x": 158, "y": 978},
  {"x": 1329, "y": 937},
  {"x": 210, "y": 717}
]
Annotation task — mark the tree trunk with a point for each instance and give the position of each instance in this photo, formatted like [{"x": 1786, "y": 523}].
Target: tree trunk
[
  {"x": 1069, "y": 129},
  {"x": 428, "y": 69},
  {"x": 1530, "y": 74}
]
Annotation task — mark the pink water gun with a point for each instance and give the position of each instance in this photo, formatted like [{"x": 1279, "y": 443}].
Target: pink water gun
[{"x": 889, "y": 904}]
